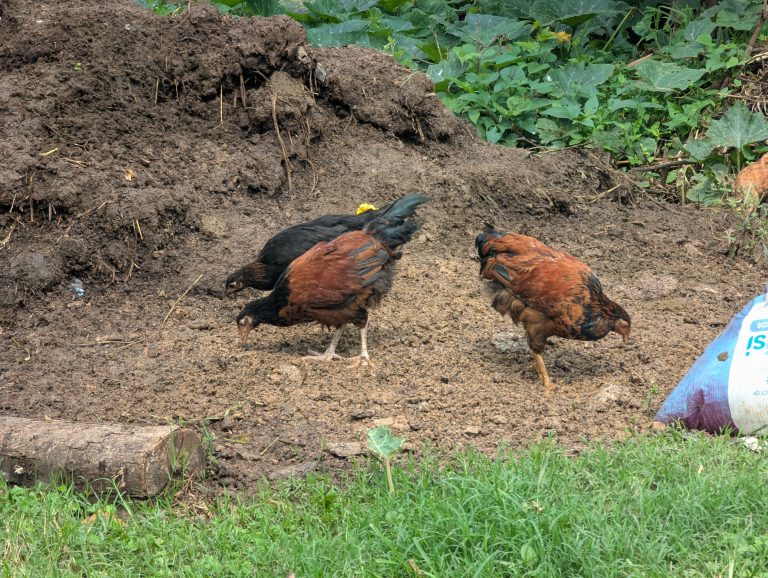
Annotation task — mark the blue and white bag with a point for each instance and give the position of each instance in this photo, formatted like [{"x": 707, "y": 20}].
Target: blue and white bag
[{"x": 727, "y": 386}]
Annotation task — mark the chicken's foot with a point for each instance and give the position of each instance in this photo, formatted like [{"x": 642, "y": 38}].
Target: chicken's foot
[
  {"x": 330, "y": 353},
  {"x": 538, "y": 362},
  {"x": 363, "y": 358}
]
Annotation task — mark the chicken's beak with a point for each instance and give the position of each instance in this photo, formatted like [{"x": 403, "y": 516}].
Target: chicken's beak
[
  {"x": 625, "y": 337},
  {"x": 244, "y": 330},
  {"x": 232, "y": 287}
]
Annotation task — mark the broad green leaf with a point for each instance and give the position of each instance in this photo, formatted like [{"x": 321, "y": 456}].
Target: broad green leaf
[
  {"x": 550, "y": 132},
  {"x": 535, "y": 67},
  {"x": 580, "y": 78},
  {"x": 518, "y": 104},
  {"x": 511, "y": 8},
  {"x": 324, "y": 11},
  {"x": 524, "y": 122},
  {"x": 493, "y": 134},
  {"x": 357, "y": 5},
  {"x": 383, "y": 443},
  {"x": 699, "y": 148},
  {"x": 338, "y": 34},
  {"x": 698, "y": 27},
  {"x": 569, "y": 111},
  {"x": 684, "y": 50},
  {"x": 723, "y": 59},
  {"x": 738, "y": 127},
  {"x": 446, "y": 69},
  {"x": 545, "y": 87},
  {"x": 572, "y": 12},
  {"x": 396, "y": 24},
  {"x": 705, "y": 191},
  {"x": 738, "y": 14},
  {"x": 619, "y": 104},
  {"x": 409, "y": 45},
  {"x": 482, "y": 80},
  {"x": 506, "y": 59},
  {"x": 431, "y": 50},
  {"x": 688, "y": 115},
  {"x": 434, "y": 7},
  {"x": 647, "y": 147},
  {"x": 391, "y": 5},
  {"x": 485, "y": 28},
  {"x": 591, "y": 106},
  {"x": 610, "y": 140},
  {"x": 667, "y": 76}
]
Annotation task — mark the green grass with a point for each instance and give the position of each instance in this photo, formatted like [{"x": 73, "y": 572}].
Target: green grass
[{"x": 669, "y": 505}]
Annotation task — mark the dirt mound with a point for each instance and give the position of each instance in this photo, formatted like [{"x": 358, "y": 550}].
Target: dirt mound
[{"x": 147, "y": 156}]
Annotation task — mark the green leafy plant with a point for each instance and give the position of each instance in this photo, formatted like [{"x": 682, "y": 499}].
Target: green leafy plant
[
  {"x": 750, "y": 235},
  {"x": 736, "y": 129},
  {"x": 383, "y": 444},
  {"x": 727, "y": 142},
  {"x": 636, "y": 80},
  {"x": 234, "y": 7},
  {"x": 653, "y": 392}
]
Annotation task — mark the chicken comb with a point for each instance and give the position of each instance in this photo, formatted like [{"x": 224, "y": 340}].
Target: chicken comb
[{"x": 364, "y": 208}]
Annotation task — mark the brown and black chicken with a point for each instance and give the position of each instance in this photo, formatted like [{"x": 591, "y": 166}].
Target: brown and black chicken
[
  {"x": 550, "y": 292},
  {"x": 336, "y": 282},
  {"x": 278, "y": 252}
]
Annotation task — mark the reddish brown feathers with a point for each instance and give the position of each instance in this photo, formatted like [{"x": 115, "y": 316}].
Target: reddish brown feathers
[
  {"x": 550, "y": 292},
  {"x": 334, "y": 282},
  {"x": 544, "y": 279}
]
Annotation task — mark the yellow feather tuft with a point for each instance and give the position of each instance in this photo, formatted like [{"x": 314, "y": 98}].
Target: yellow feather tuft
[{"x": 365, "y": 207}]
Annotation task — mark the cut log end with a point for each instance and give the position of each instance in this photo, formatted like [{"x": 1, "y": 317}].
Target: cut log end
[{"x": 139, "y": 461}]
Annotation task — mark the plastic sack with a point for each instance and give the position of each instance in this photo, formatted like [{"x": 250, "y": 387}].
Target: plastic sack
[{"x": 727, "y": 386}]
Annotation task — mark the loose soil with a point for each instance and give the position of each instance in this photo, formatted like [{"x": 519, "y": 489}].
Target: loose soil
[{"x": 140, "y": 154}]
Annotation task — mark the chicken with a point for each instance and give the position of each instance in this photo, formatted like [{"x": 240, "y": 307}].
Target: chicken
[
  {"x": 336, "y": 282},
  {"x": 278, "y": 252},
  {"x": 550, "y": 292}
]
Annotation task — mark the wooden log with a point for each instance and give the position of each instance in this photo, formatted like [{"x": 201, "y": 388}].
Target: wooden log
[{"x": 138, "y": 460}]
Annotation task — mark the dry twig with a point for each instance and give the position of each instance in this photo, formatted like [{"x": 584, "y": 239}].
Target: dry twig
[
  {"x": 664, "y": 165},
  {"x": 221, "y": 104},
  {"x": 282, "y": 143},
  {"x": 175, "y": 303},
  {"x": 758, "y": 27},
  {"x": 7, "y": 239}
]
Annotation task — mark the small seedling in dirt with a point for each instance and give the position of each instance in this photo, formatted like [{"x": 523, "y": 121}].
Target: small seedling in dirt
[
  {"x": 750, "y": 236},
  {"x": 78, "y": 66},
  {"x": 208, "y": 443},
  {"x": 383, "y": 444},
  {"x": 650, "y": 395}
]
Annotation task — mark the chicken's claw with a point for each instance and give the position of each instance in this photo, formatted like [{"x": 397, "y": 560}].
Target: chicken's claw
[
  {"x": 317, "y": 356},
  {"x": 361, "y": 360}
]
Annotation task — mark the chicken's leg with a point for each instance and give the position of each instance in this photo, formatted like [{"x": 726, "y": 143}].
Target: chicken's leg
[
  {"x": 363, "y": 358},
  {"x": 538, "y": 362},
  {"x": 330, "y": 353}
]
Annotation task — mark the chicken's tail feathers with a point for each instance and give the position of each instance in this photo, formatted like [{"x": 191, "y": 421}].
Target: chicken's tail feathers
[
  {"x": 484, "y": 249},
  {"x": 401, "y": 208},
  {"x": 489, "y": 232},
  {"x": 392, "y": 224}
]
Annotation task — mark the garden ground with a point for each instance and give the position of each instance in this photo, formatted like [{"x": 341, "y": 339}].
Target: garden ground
[{"x": 130, "y": 162}]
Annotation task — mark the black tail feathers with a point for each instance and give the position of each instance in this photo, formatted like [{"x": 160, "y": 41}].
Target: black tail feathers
[
  {"x": 489, "y": 231},
  {"x": 392, "y": 225}
]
